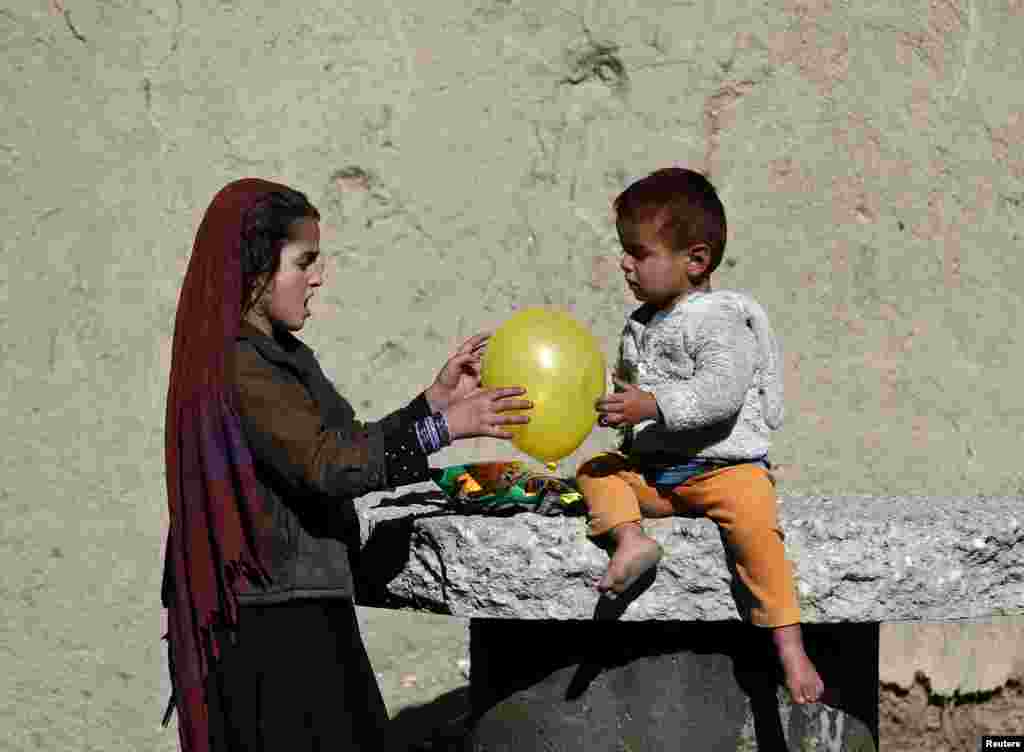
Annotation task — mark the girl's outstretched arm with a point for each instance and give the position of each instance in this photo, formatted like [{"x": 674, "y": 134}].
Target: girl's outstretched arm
[{"x": 287, "y": 436}]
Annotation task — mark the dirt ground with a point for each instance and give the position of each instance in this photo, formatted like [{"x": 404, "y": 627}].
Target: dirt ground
[
  {"x": 422, "y": 666},
  {"x": 915, "y": 719}
]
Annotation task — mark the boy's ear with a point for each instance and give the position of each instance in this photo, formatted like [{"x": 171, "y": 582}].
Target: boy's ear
[{"x": 698, "y": 260}]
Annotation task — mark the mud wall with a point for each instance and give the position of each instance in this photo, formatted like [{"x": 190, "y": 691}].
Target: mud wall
[{"x": 464, "y": 156}]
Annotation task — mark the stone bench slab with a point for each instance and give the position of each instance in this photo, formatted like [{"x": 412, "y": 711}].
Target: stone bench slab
[{"x": 857, "y": 559}]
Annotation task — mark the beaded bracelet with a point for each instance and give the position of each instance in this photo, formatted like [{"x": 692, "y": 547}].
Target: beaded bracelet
[
  {"x": 441, "y": 423},
  {"x": 433, "y": 433}
]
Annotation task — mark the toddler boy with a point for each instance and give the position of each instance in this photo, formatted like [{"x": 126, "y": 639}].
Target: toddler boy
[{"x": 698, "y": 388}]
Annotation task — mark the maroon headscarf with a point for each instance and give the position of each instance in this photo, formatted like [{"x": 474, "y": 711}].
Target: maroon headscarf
[{"x": 215, "y": 508}]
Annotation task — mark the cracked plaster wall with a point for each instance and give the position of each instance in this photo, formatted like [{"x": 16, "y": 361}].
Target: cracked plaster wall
[{"x": 464, "y": 155}]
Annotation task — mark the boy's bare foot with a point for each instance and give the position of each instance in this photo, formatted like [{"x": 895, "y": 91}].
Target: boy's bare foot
[
  {"x": 635, "y": 553},
  {"x": 802, "y": 680}
]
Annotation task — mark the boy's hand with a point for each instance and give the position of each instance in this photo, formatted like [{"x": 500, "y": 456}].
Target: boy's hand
[
  {"x": 460, "y": 375},
  {"x": 628, "y": 407}
]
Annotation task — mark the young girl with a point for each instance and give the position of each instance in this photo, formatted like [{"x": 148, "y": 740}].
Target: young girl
[{"x": 263, "y": 459}]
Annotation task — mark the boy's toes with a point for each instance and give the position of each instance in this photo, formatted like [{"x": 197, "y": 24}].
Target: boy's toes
[
  {"x": 808, "y": 691},
  {"x": 803, "y": 681},
  {"x": 629, "y": 563}
]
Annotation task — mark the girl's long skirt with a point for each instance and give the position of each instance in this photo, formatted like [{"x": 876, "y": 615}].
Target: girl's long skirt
[{"x": 298, "y": 679}]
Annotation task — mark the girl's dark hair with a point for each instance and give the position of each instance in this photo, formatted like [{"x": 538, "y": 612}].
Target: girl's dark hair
[
  {"x": 266, "y": 228},
  {"x": 684, "y": 203}
]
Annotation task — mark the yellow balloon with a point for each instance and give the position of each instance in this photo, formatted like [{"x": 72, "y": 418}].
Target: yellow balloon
[{"x": 561, "y": 366}]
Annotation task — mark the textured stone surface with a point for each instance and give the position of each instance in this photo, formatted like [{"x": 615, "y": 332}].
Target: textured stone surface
[{"x": 856, "y": 558}]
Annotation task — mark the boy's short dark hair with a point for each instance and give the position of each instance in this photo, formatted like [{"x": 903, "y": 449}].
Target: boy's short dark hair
[{"x": 685, "y": 205}]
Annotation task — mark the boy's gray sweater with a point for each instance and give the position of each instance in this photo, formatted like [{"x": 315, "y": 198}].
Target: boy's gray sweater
[{"x": 714, "y": 366}]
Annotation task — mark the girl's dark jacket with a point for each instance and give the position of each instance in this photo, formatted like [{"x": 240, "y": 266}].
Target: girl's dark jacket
[{"x": 312, "y": 459}]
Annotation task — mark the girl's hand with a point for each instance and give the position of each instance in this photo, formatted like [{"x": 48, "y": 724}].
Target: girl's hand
[
  {"x": 626, "y": 408},
  {"x": 479, "y": 413},
  {"x": 460, "y": 376}
]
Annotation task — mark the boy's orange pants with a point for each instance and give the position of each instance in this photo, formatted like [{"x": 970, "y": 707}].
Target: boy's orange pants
[{"x": 739, "y": 499}]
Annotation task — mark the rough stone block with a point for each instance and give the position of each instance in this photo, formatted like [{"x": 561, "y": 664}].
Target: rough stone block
[{"x": 857, "y": 559}]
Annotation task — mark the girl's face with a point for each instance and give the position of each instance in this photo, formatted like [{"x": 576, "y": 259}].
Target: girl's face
[{"x": 285, "y": 302}]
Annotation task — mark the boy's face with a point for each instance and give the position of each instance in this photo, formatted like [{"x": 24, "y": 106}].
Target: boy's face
[{"x": 654, "y": 272}]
